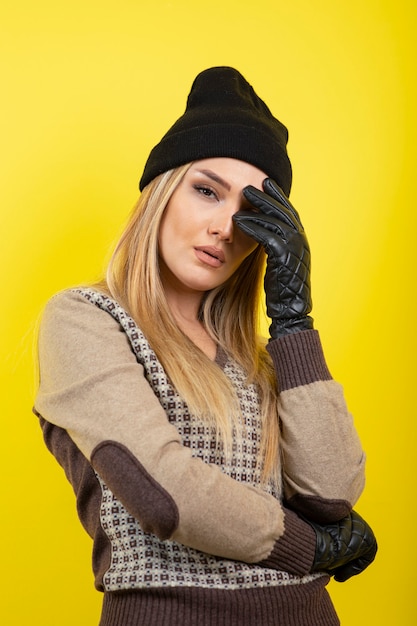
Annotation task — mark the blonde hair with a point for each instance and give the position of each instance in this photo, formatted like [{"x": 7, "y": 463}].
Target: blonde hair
[{"x": 229, "y": 313}]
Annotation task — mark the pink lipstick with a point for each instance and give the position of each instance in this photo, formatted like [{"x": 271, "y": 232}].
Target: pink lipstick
[{"x": 210, "y": 255}]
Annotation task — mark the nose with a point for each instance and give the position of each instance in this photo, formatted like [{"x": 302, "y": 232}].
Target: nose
[{"x": 222, "y": 224}]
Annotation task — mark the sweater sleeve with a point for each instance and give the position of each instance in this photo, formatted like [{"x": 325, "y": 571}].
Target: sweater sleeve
[
  {"x": 92, "y": 386},
  {"x": 323, "y": 461}
]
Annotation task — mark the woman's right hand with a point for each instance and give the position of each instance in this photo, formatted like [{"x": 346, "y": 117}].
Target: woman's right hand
[{"x": 344, "y": 548}]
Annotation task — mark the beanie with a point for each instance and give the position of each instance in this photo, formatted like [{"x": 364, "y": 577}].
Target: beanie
[{"x": 223, "y": 118}]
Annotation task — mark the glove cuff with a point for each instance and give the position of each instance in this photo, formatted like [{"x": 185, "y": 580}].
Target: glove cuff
[{"x": 280, "y": 327}]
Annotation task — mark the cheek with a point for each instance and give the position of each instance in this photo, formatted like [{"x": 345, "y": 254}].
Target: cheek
[
  {"x": 245, "y": 244},
  {"x": 170, "y": 229},
  {"x": 179, "y": 222}
]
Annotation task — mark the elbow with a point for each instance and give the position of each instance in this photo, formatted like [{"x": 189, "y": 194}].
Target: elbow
[
  {"x": 142, "y": 496},
  {"x": 332, "y": 502}
]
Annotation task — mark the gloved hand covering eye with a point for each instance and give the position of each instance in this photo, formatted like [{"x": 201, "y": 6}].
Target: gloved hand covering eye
[
  {"x": 277, "y": 227},
  {"x": 344, "y": 548}
]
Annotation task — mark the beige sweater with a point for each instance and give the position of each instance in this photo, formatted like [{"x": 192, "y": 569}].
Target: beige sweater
[{"x": 133, "y": 466}]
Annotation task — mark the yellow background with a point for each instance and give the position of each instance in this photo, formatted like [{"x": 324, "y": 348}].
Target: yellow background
[{"x": 88, "y": 87}]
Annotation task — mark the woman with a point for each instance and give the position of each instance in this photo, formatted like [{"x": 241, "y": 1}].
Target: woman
[{"x": 215, "y": 474}]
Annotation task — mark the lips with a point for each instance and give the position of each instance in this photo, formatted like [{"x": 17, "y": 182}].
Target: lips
[{"x": 210, "y": 255}]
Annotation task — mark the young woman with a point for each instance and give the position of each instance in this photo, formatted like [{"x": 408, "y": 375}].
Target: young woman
[{"x": 215, "y": 472}]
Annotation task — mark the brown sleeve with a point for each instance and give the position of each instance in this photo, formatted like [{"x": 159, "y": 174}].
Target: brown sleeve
[{"x": 92, "y": 386}]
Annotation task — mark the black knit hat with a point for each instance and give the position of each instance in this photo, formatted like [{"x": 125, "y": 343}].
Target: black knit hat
[{"x": 224, "y": 118}]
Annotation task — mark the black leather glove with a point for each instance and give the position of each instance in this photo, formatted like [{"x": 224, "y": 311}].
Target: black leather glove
[
  {"x": 277, "y": 227},
  {"x": 344, "y": 548}
]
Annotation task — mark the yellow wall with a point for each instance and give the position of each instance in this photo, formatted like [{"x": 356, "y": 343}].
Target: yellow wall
[{"x": 88, "y": 87}]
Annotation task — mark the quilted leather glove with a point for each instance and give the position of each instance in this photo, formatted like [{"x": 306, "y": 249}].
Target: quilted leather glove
[
  {"x": 344, "y": 548},
  {"x": 277, "y": 227}
]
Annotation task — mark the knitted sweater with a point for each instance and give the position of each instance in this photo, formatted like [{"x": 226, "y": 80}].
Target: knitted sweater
[{"x": 181, "y": 534}]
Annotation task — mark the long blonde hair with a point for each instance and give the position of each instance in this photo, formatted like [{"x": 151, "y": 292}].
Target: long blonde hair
[{"x": 230, "y": 314}]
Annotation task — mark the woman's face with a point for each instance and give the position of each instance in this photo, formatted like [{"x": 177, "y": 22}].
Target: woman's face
[{"x": 200, "y": 247}]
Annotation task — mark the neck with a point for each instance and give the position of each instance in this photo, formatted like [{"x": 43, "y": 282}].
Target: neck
[{"x": 185, "y": 309}]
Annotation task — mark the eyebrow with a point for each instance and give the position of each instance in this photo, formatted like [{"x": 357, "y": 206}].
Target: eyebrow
[{"x": 216, "y": 178}]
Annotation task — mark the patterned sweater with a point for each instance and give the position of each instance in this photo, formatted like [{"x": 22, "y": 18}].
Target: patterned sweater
[{"x": 182, "y": 535}]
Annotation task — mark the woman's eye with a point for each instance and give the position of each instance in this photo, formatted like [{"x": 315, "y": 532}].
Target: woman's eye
[{"x": 205, "y": 191}]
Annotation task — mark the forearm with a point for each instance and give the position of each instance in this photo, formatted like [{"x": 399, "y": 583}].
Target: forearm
[{"x": 323, "y": 461}]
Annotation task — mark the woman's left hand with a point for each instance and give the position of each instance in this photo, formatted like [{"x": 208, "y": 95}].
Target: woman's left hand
[{"x": 277, "y": 227}]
